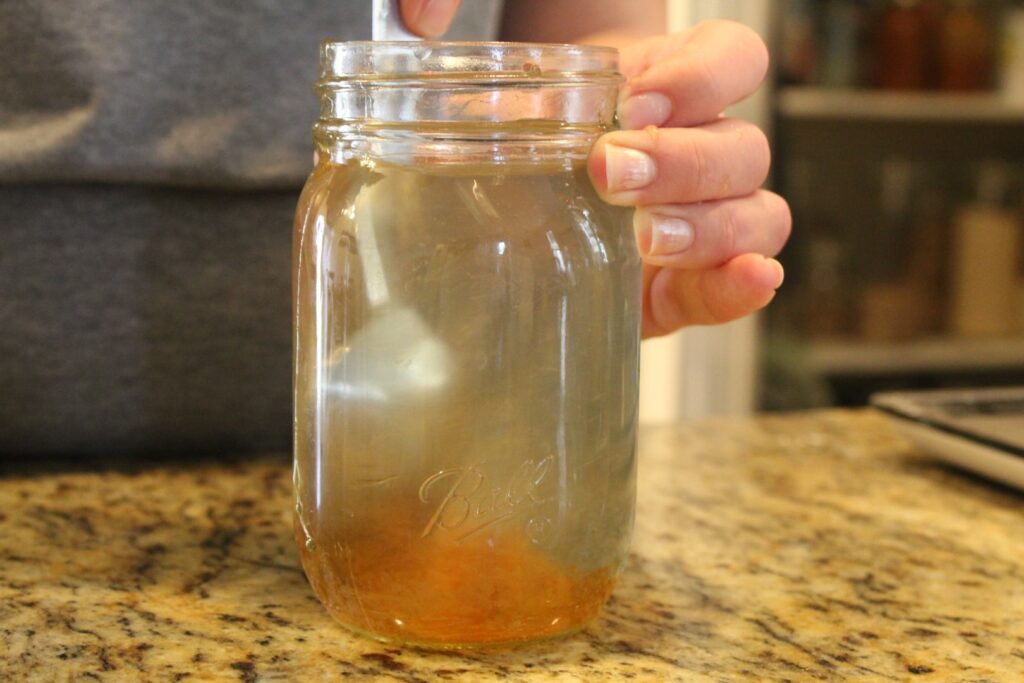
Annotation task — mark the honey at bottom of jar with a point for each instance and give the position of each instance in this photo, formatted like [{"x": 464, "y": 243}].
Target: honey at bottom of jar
[{"x": 439, "y": 592}]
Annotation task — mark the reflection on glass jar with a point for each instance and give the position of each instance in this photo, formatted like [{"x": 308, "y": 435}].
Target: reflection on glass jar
[{"x": 466, "y": 344}]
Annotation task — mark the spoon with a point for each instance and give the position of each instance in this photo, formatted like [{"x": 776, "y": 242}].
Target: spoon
[{"x": 387, "y": 22}]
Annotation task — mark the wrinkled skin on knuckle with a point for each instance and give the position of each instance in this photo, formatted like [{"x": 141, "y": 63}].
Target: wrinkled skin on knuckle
[
  {"x": 758, "y": 152},
  {"x": 779, "y": 207}
]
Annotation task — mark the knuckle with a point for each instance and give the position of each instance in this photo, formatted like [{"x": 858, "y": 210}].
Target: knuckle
[
  {"x": 709, "y": 78},
  {"x": 756, "y": 49},
  {"x": 666, "y": 311},
  {"x": 745, "y": 41},
  {"x": 750, "y": 153},
  {"x": 699, "y": 168},
  {"x": 731, "y": 229},
  {"x": 760, "y": 153},
  {"x": 785, "y": 217},
  {"x": 715, "y": 308}
]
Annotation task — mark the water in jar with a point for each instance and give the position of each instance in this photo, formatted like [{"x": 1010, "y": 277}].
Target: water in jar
[{"x": 466, "y": 370}]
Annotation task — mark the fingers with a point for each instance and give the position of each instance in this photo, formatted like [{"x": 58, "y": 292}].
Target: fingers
[
  {"x": 704, "y": 228},
  {"x": 727, "y": 158},
  {"x": 676, "y": 298},
  {"x": 690, "y": 78},
  {"x": 428, "y": 18},
  {"x": 706, "y": 235}
]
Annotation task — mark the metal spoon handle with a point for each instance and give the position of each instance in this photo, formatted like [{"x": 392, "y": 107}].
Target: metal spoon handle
[{"x": 387, "y": 22}]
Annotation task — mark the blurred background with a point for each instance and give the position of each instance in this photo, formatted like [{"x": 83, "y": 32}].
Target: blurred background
[{"x": 898, "y": 134}]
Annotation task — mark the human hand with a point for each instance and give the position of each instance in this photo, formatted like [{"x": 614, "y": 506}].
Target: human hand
[
  {"x": 428, "y": 18},
  {"x": 706, "y": 231}
]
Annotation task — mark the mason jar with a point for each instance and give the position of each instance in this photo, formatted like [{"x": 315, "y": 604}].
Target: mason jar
[{"x": 466, "y": 344}]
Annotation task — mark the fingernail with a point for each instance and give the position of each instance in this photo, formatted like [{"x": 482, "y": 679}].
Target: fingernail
[
  {"x": 434, "y": 18},
  {"x": 661, "y": 235},
  {"x": 627, "y": 169},
  {"x": 670, "y": 235},
  {"x": 646, "y": 109}
]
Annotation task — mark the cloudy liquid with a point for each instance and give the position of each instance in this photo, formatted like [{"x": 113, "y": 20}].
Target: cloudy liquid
[{"x": 466, "y": 365}]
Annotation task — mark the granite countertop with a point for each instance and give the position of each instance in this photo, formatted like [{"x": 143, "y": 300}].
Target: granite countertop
[{"x": 816, "y": 546}]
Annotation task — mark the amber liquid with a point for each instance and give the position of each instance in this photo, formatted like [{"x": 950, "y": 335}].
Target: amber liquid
[
  {"x": 466, "y": 363},
  {"x": 445, "y": 593}
]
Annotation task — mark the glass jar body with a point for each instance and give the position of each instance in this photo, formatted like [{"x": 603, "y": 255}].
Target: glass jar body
[{"x": 466, "y": 349}]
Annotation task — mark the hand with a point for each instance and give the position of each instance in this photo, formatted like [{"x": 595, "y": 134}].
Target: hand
[
  {"x": 428, "y": 18},
  {"x": 706, "y": 231}
]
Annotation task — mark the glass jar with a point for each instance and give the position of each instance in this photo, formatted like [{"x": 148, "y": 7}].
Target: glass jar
[{"x": 466, "y": 344}]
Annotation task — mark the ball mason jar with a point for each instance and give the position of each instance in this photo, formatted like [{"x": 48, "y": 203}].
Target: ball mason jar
[{"x": 466, "y": 344}]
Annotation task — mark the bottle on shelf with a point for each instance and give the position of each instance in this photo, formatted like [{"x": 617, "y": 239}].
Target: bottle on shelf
[
  {"x": 901, "y": 46},
  {"x": 1011, "y": 71},
  {"x": 827, "y": 310},
  {"x": 799, "y": 43},
  {"x": 888, "y": 309},
  {"x": 842, "y": 37},
  {"x": 822, "y": 273},
  {"x": 985, "y": 256},
  {"x": 965, "y": 48},
  {"x": 927, "y": 260}
]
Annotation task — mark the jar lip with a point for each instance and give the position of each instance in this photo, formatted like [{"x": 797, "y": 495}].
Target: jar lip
[{"x": 393, "y": 60}]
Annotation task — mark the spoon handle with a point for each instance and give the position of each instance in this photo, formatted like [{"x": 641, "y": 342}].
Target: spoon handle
[{"x": 387, "y": 22}]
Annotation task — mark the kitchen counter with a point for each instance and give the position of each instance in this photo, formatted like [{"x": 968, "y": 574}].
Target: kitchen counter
[{"x": 816, "y": 546}]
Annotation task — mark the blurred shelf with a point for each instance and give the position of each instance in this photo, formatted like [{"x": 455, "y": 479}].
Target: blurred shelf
[
  {"x": 940, "y": 354},
  {"x": 834, "y": 103}
]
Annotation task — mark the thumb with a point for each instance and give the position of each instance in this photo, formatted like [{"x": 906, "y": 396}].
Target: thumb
[{"x": 428, "y": 18}]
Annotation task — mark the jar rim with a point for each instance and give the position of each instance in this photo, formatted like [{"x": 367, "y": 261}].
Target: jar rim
[{"x": 454, "y": 60}]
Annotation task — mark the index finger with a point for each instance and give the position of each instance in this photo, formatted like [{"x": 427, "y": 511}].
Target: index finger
[
  {"x": 690, "y": 78},
  {"x": 428, "y": 18}
]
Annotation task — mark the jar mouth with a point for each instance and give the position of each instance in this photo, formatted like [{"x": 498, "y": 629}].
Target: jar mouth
[
  {"x": 449, "y": 61},
  {"x": 456, "y": 102}
]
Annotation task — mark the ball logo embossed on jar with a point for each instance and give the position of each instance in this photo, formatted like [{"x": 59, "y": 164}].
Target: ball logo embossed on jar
[{"x": 465, "y": 504}]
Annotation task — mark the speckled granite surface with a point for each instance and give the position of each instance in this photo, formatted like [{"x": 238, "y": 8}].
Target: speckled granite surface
[{"x": 808, "y": 547}]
